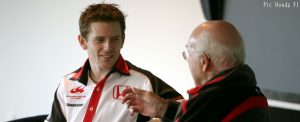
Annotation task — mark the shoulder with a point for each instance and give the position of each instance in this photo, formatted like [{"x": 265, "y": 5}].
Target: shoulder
[
  {"x": 159, "y": 86},
  {"x": 139, "y": 72},
  {"x": 136, "y": 69}
]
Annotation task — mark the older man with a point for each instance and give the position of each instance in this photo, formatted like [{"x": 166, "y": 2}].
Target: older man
[{"x": 226, "y": 89}]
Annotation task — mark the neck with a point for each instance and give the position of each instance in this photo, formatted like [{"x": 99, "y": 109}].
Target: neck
[
  {"x": 210, "y": 74},
  {"x": 98, "y": 74}
]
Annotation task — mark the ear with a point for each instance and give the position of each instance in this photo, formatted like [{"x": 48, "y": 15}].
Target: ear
[
  {"x": 82, "y": 41},
  {"x": 123, "y": 40},
  {"x": 205, "y": 60}
]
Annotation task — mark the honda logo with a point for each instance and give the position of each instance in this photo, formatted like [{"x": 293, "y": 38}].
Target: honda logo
[{"x": 117, "y": 91}]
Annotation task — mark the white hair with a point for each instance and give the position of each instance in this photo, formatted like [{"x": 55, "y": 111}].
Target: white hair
[{"x": 221, "y": 54}]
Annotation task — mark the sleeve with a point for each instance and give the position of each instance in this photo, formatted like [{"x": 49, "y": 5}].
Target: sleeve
[
  {"x": 170, "y": 114},
  {"x": 163, "y": 89},
  {"x": 57, "y": 114}
]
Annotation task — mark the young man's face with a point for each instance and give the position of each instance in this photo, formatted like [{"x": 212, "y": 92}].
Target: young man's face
[{"x": 104, "y": 43}]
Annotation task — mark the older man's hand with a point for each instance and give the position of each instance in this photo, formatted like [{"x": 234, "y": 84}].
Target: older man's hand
[{"x": 144, "y": 102}]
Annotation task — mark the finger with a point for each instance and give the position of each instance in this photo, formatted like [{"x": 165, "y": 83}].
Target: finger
[
  {"x": 129, "y": 97},
  {"x": 127, "y": 91},
  {"x": 131, "y": 103},
  {"x": 135, "y": 109},
  {"x": 138, "y": 91},
  {"x": 131, "y": 112}
]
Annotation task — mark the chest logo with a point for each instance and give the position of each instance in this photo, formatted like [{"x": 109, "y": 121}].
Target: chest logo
[
  {"x": 117, "y": 91},
  {"x": 78, "y": 89}
]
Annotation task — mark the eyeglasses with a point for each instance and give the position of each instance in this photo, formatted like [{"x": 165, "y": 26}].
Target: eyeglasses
[{"x": 186, "y": 53}]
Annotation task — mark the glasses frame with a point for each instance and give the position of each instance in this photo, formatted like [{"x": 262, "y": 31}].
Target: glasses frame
[{"x": 187, "y": 53}]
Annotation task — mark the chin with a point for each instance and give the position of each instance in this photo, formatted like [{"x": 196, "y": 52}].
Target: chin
[{"x": 107, "y": 66}]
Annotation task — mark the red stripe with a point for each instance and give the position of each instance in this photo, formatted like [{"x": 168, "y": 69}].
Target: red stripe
[
  {"x": 91, "y": 109},
  {"x": 122, "y": 66},
  {"x": 251, "y": 102},
  {"x": 183, "y": 106},
  {"x": 218, "y": 79},
  {"x": 194, "y": 91}
]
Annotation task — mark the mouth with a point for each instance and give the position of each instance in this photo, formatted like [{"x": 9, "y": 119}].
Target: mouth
[{"x": 107, "y": 56}]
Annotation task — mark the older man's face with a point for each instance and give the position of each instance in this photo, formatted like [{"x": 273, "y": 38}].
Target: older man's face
[{"x": 192, "y": 55}]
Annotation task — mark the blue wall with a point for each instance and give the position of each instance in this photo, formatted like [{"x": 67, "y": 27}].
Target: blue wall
[{"x": 272, "y": 37}]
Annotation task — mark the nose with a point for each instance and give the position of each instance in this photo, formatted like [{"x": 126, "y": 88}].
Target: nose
[{"x": 107, "y": 44}]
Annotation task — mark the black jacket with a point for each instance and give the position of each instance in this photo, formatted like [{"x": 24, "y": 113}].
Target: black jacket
[{"x": 232, "y": 95}]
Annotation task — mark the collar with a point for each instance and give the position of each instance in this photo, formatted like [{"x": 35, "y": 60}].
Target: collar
[
  {"x": 218, "y": 78},
  {"x": 122, "y": 66},
  {"x": 194, "y": 91},
  {"x": 82, "y": 73}
]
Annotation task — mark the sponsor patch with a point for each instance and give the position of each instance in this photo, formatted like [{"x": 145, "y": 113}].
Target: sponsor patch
[{"x": 117, "y": 91}]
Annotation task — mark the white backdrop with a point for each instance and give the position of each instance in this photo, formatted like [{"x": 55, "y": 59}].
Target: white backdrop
[{"x": 38, "y": 46}]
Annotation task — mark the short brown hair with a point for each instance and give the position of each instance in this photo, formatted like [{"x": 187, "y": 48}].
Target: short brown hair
[{"x": 100, "y": 12}]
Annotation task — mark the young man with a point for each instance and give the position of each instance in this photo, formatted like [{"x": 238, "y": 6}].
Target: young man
[
  {"x": 226, "y": 89},
  {"x": 93, "y": 92}
]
